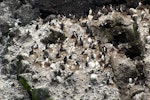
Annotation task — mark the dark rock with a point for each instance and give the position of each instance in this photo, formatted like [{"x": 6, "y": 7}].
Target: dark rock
[
  {"x": 40, "y": 94},
  {"x": 26, "y": 14},
  {"x": 102, "y": 2},
  {"x": 132, "y": 3},
  {"x": 76, "y": 7},
  {"x": 54, "y": 37},
  {"x": 12, "y": 10},
  {"x": 17, "y": 66},
  {"x": 124, "y": 69},
  {"x": 4, "y": 28},
  {"x": 145, "y": 1}
]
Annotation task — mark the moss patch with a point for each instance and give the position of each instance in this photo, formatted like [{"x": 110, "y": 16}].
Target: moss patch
[
  {"x": 113, "y": 31},
  {"x": 54, "y": 37}
]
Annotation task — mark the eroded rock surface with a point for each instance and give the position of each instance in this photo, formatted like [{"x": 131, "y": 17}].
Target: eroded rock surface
[{"x": 101, "y": 56}]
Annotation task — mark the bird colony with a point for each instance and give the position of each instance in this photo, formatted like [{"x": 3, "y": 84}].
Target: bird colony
[{"x": 79, "y": 59}]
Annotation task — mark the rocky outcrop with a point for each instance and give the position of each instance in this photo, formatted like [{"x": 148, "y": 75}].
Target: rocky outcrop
[
  {"x": 103, "y": 55},
  {"x": 78, "y": 7}
]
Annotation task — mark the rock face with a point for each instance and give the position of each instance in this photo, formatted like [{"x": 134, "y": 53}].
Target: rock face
[
  {"x": 78, "y": 7},
  {"x": 66, "y": 7},
  {"x": 9, "y": 85},
  {"x": 104, "y": 55}
]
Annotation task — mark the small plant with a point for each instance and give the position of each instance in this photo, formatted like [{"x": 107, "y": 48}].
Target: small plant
[{"x": 34, "y": 94}]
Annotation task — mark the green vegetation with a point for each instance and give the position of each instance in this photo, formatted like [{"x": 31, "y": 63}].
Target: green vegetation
[
  {"x": 115, "y": 32},
  {"x": 24, "y": 83},
  {"x": 54, "y": 37},
  {"x": 35, "y": 94}
]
